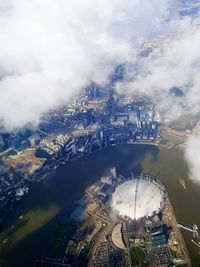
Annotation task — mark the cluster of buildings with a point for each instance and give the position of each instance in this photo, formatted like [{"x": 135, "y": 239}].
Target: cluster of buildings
[
  {"x": 158, "y": 235},
  {"x": 97, "y": 129},
  {"x": 154, "y": 232},
  {"x": 92, "y": 121},
  {"x": 104, "y": 237}
]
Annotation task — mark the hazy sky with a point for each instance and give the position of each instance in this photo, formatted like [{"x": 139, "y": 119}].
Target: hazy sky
[{"x": 50, "y": 49}]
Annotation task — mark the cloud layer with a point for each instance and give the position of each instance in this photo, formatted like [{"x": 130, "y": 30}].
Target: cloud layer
[
  {"x": 175, "y": 65},
  {"x": 193, "y": 158},
  {"x": 52, "y": 48}
]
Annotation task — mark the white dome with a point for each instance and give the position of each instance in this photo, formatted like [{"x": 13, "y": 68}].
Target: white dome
[{"x": 136, "y": 198}]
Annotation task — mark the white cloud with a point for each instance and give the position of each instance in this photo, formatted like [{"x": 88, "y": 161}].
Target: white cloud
[
  {"x": 49, "y": 49},
  {"x": 178, "y": 65},
  {"x": 192, "y": 156}
]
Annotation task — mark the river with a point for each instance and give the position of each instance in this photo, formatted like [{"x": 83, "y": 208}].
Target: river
[{"x": 47, "y": 202}]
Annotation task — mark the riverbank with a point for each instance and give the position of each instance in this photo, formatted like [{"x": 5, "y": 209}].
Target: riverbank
[{"x": 69, "y": 182}]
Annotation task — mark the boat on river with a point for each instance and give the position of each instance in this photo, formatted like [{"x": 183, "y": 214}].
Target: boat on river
[{"x": 182, "y": 182}]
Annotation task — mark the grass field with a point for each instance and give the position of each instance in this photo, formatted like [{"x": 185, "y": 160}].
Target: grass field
[{"x": 138, "y": 257}]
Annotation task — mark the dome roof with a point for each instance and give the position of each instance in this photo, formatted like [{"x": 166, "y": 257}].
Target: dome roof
[{"x": 136, "y": 198}]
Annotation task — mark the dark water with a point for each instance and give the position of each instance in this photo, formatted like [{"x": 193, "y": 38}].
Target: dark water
[{"x": 43, "y": 206}]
